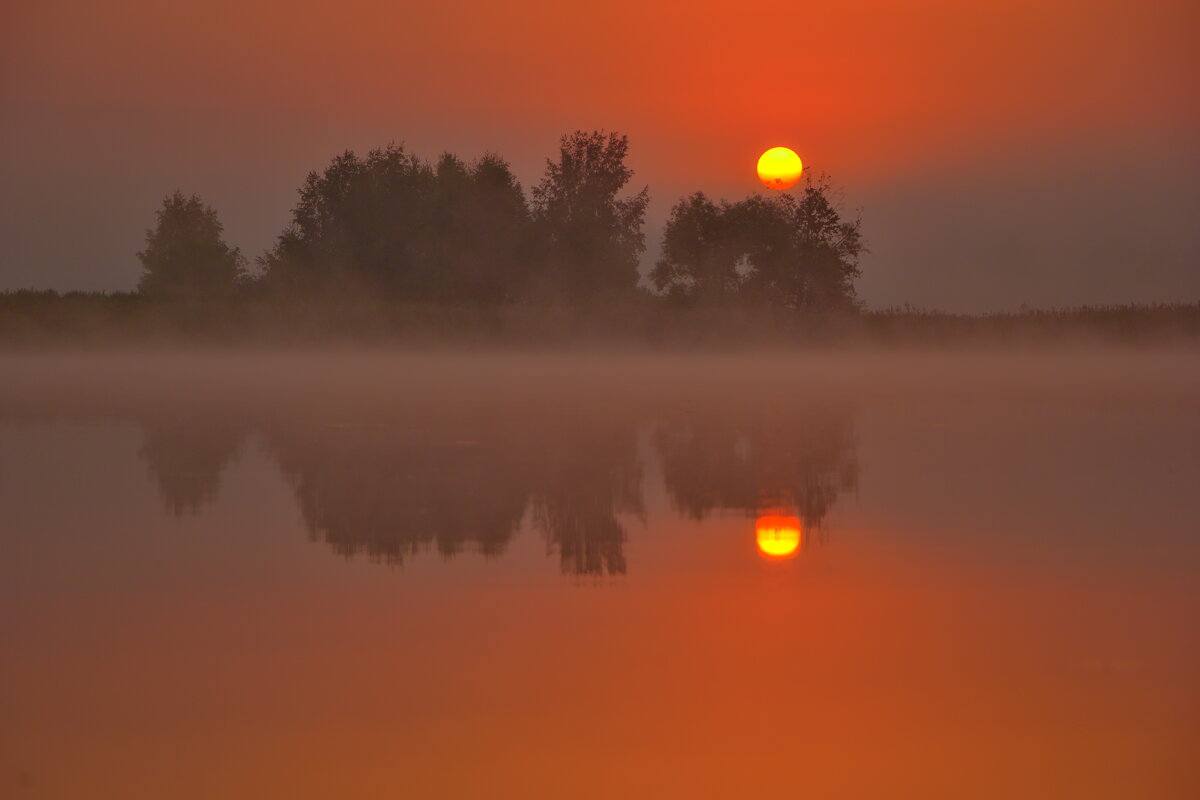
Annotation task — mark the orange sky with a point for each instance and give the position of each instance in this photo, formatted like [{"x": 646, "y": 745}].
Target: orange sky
[{"x": 109, "y": 105}]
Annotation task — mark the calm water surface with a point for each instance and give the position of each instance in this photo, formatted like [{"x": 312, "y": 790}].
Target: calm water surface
[{"x": 381, "y": 576}]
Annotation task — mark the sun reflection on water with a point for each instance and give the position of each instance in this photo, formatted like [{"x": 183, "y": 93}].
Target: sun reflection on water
[{"x": 778, "y": 537}]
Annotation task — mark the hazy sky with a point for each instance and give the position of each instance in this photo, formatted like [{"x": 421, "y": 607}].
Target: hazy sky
[{"x": 1002, "y": 151}]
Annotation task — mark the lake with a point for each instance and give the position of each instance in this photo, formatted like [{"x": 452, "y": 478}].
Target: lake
[{"x": 389, "y": 574}]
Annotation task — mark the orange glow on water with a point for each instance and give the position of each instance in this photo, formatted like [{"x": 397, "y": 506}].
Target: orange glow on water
[
  {"x": 779, "y": 168},
  {"x": 777, "y": 537}
]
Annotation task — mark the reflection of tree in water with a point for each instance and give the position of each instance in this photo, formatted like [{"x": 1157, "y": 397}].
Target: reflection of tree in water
[
  {"x": 586, "y": 480},
  {"x": 399, "y": 482},
  {"x": 801, "y": 462},
  {"x": 389, "y": 492},
  {"x": 186, "y": 456},
  {"x": 454, "y": 482}
]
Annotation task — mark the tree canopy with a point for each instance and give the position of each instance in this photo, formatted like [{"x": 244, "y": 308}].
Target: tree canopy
[
  {"x": 185, "y": 255},
  {"x": 391, "y": 222},
  {"x": 796, "y": 252}
]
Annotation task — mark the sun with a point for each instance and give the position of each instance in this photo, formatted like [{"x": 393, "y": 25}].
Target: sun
[
  {"x": 777, "y": 537},
  {"x": 779, "y": 168}
]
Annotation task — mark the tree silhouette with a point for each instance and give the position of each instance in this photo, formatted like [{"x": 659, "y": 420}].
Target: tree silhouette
[
  {"x": 355, "y": 225},
  {"x": 393, "y": 223},
  {"x": 591, "y": 237},
  {"x": 802, "y": 254},
  {"x": 185, "y": 256},
  {"x": 798, "y": 252},
  {"x": 700, "y": 253},
  {"x": 478, "y": 242}
]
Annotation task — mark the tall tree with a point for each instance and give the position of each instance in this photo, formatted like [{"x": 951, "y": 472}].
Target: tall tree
[
  {"x": 593, "y": 238},
  {"x": 185, "y": 256}
]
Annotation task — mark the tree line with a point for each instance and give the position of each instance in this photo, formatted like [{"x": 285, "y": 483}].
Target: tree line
[{"x": 392, "y": 225}]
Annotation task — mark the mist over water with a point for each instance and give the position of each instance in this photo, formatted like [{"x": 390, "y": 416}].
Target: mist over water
[{"x": 381, "y": 574}]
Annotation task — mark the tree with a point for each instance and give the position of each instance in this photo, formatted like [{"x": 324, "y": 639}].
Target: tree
[
  {"x": 477, "y": 247},
  {"x": 592, "y": 237},
  {"x": 393, "y": 223},
  {"x": 355, "y": 226},
  {"x": 802, "y": 253},
  {"x": 784, "y": 250},
  {"x": 185, "y": 255},
  {"x": 701, "y": 251}
]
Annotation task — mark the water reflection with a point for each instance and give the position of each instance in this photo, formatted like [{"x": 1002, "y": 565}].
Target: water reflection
[
  {"x": 587, "y": 476},
  {"x": 991, "y": 595},
  {"x": 794, "y": 463},
  {"x": 778, "y": 537},
  {"x": 391, "y": 489},
  {"x": 389, "y": 492},
  {"x": 186, "y": 457},
  {"x": 458, "y": 482},
  {"x": 389, "y": 479}
]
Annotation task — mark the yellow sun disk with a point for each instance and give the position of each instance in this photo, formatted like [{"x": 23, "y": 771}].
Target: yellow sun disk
[
  {"x": 779, "y": 168},
  {"x": 777, "y": 537}
]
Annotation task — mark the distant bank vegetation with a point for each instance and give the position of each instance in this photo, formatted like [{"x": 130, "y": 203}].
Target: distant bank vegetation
[
  {"x": 29, "y": 318},
  {"x": 390, "y": 244}
]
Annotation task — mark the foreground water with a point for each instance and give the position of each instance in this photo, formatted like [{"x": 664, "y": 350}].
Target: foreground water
[{"x": 380, "y": 576}]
